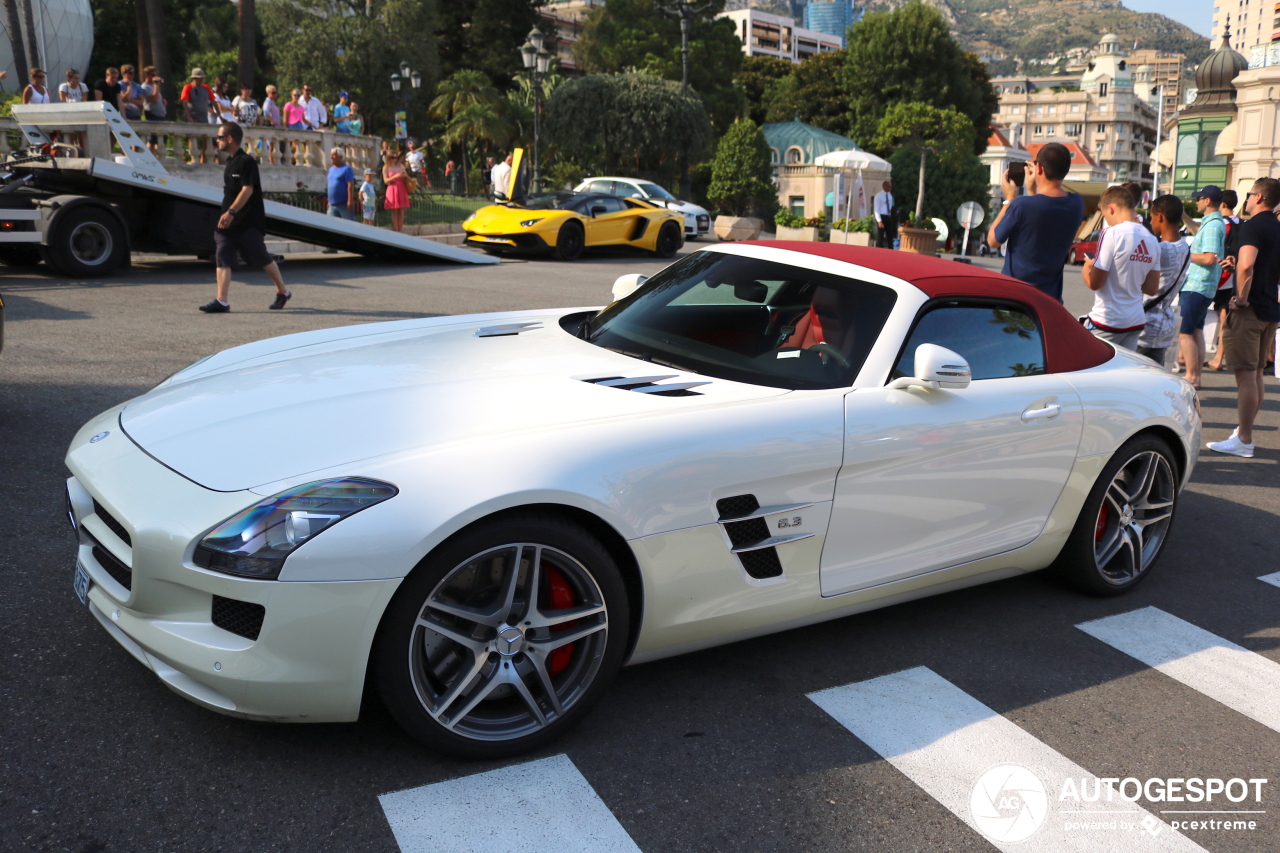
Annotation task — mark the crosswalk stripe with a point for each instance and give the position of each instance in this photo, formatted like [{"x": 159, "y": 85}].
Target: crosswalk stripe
[
  {"x": 991, "y": 774},
  {"x": 535, "y": 807},
  {"x": 1273, "y": 579},
  {"x": 1238, "y": 678}
]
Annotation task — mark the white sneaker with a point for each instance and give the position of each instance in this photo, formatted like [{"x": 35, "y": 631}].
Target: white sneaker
[{"x": 1233, "y": 446}]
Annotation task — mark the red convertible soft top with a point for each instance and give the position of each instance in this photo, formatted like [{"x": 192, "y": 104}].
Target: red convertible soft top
[{"x": 1068, "y": 345}]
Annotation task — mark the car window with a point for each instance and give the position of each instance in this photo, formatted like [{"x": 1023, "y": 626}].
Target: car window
[
  {"x": 655, "y": 191},
  {"x": 998, "y": 340},
  {"x": 605, "y": 187},
  {"x": 748, "y": 320},
  {"x": 609, "y": 203},
  {"x": 626, "y": 190}
]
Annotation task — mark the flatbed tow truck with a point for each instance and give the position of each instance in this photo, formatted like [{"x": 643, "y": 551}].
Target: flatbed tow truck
[{"x": 83, "y": 216}]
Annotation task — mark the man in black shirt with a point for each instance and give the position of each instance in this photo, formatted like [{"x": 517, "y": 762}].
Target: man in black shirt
[
  {"x": 108, "y": 89},
  {"x": 243, "y": 221},
  {"x": 1254, "y": 312}
]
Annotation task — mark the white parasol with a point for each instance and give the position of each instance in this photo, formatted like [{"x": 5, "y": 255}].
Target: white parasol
[{"x": 853, "y": 160}]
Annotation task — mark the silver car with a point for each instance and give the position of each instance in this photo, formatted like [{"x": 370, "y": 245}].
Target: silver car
[{"x": 697, "y": 220}]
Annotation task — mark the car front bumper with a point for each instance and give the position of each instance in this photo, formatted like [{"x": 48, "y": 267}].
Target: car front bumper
[
  {"x": 695, "y": 225},
  {"x": 524, "y": 242},
  {"x": 302, "y": 657}
]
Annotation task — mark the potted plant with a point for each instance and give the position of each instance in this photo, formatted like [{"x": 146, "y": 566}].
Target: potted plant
[
  {"x": 742, "y": 182},
  {"x": 917, "y": 236},
  {"x": 792, "y": 226},
  {"x": 854, "y": 232}
]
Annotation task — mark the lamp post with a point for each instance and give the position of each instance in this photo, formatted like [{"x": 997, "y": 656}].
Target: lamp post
[
  {"x": 685, "y": 11},
  {"x": 397, "y": 82},
  {"x": 536, "y": 62}
]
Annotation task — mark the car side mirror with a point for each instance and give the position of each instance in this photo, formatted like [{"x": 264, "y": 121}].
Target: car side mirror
[
  {"x": 598, "y": 209},
  {"x": 936, "y": 367},
  {"x": 627, "y": 284}
]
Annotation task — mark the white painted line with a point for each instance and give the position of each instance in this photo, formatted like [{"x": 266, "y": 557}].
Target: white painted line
[
  {"x": 997, "y": 778},
  {"x": 1273, "y": 579},
  {"x": 539, "y": 806},
  {"x": 1238, "y": 678}
]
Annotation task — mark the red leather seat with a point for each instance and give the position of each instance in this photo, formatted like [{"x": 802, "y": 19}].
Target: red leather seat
[{"x": 829, "y": 320}]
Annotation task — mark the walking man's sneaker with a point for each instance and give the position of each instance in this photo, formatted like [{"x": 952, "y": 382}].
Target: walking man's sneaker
[
  {"x": 281, "y": 299},
  {"x": 215, "y": 307},
  {"x": 1232, "y": 445}
]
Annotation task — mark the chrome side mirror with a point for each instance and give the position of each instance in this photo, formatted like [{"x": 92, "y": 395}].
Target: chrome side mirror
[
  {"x": 936, "y": 367},
  {"x": 627, "y": 284}
]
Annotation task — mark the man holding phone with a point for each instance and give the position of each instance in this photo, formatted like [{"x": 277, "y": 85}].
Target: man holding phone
[{"x": 1040, "y": 225}]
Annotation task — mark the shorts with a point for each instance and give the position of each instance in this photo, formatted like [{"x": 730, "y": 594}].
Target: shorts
[
  {"x": 1222, "y": 298},
  {"x": 1195, "y": 306},
  {"x": 341, "y": 211},
  {"x": 1127, "y": 339},
  {"x": 1246, "y": 340},
  {"x": 246, "y": 242}
]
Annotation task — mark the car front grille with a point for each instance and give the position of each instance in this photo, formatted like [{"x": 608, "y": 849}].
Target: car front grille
[
  {"x": 111, "y": 564},
  {"x": 704, "y": 222},
  {"x": 242, "y": 618},
  {"x": 114, "y": 526}
]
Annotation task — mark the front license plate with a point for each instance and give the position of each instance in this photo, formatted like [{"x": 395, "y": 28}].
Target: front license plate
[
  {"x": 497, "y": 239},
  {"x": 82, "y": 583}
]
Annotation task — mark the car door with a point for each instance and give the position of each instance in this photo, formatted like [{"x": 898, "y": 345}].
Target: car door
[
  {"x": 612, "y": 225},
  {"x": 933, "y": 478}
]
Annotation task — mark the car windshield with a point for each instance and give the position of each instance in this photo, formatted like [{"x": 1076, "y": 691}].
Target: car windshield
[
  {"x": 559, "y": 200},
  {"x": 655, "y": 191},
  {"x": 748, "y": 320}
]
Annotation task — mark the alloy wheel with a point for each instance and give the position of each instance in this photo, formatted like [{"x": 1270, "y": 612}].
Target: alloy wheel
[{"x": 1134, "y": 518}]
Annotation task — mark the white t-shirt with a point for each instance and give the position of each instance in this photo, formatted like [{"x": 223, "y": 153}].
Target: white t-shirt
[
  {"x": 501, "y": 177},
  {"x": 75, "y": 94},
  {"x": 1126, "y": 254},
  {"x": 247, "y": 110},
  {"x": 416, "y": 161},
  {"x": 1160, "y": 330},
  {"x": 315, "y": 111}
]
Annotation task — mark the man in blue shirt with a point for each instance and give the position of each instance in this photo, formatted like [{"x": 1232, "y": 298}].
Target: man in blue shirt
[
  {"x": 342, "y": 187},
  {"x": 1202, "y": 280},
  {"x": 1039, "y": 226}
]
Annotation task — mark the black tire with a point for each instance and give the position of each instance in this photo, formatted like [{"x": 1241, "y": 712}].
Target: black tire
[
  {"x": 464, "y": 589},
  {"x": 570, "y": 242},
  {"x": 1134, "y": 505},
  {"x": 87, "y": 242},
  {"x": 19, "y": 254},
  {"x": 670, "y": 239}
]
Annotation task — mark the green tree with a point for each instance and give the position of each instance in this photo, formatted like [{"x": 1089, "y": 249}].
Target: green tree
[
  {"x": 742, "y": 172},
  {"x": 637, "y": 121},
  {"x": 625, "y": 35},
  {"x": 353, "y": 45},
  {"x": 923, "y": 130},
  {"x": 757, "y": 79},
  {"x": 945, "y": 189},
  {"x": 813, "y": 94},
  {"x": 486, "y": 35},
  {"x": 909, "y": 55},
  {"x": 472, "y": 108}
]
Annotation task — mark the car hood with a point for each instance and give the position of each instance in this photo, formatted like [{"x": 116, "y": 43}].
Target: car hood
[
  {"x": 685, "y": 207},
  {"x": 498, "y": 218},
  {"x": 286, "y": 407}
]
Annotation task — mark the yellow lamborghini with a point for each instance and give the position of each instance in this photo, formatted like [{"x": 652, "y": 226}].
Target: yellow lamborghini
[{"x": 564, "y": 223}]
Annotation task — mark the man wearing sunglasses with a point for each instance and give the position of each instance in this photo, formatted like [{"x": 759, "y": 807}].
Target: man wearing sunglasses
[{"x": 243, "y": 221}]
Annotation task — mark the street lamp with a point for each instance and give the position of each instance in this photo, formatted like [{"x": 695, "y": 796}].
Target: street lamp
[
  {"x": 397, "y": 81},
  {"x": 685, "y": 11},
  {"x": 536, "y": 62}
]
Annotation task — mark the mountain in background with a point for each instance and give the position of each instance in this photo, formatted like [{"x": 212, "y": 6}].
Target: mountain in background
[{"x": 1035, "y": 36}]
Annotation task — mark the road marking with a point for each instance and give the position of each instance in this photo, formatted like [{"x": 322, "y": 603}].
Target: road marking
[
  {"x": 537, "y": 806},
  {"x": 952, "y": 745},
  {"x": 1273, "y": 579},
  {"x": 1238, "y": 678}
]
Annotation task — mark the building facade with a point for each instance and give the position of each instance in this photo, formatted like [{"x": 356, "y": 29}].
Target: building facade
[
  {"x": 833, "y": 17},
  {"x": 1112, "y": 122},
  {"x": 1199, "y": 156},
  {"x": 804, "y": 188},
  {"x": 1248, "y": 22},
  {"x": 1170, "y": 70},
  {"x": 765, "y": 34},
  {"x": 567, "y": 18}
]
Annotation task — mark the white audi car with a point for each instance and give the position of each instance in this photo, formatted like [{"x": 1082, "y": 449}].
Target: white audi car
[
  {"x": 697, "y": 220},
  {"x": 484, "y": 517}
]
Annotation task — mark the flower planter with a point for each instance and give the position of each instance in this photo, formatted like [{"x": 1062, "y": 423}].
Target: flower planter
[
  {"x": 805, "y": 233},
  {"x": 856, "y": 238},
  {"x": 737, "y": 227},
  {"x": 918, "y": 241}
]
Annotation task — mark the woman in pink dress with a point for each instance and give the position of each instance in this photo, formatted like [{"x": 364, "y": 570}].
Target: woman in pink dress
[{"x": 395, "y": 177}]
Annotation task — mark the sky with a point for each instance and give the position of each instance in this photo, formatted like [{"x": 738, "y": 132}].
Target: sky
[{"x": 1196, "y": 14}]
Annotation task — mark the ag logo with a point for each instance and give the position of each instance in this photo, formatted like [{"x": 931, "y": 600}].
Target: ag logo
[
  {"x": 99, "y": 437},
  {"x": 1008, "y": 803},
  {"x": 789, "y": 522}
]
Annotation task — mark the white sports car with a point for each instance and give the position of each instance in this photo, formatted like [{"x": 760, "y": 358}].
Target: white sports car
[
  {"x": 697, "y": 219},
  {"x": 484, "y": 517}
]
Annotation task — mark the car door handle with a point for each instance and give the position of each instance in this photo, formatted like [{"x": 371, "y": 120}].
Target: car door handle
[{"x": 1050, "y": 411}]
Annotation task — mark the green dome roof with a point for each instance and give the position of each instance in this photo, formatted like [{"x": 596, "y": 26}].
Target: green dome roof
[{"x": 813, "y": 141}]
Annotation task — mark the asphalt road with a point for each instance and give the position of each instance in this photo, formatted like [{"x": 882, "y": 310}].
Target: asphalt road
[{"x": 719, "y": 750}]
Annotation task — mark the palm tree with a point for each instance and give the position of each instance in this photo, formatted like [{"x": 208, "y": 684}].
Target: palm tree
[{"x": 470, "y": 91}]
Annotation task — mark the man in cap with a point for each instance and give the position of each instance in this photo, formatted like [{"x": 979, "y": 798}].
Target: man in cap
[
  {"x": 340, "y": 113},
  {"x": 197, "y": 99},
  {"x": 1202, "y": 280}
]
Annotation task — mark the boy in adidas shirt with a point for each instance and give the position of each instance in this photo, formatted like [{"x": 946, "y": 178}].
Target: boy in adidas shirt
[{"x": 1127, "y": 267}]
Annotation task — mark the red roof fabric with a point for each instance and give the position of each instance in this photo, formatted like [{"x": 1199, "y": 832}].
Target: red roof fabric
[
  {"x": 1068, "y": 345},
  {"x": 1079, "y": 156}
]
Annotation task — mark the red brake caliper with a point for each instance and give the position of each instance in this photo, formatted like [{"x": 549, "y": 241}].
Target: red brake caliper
[
  {"x": 561, "y": 599},
  {"x": 1102, "y": 524}
]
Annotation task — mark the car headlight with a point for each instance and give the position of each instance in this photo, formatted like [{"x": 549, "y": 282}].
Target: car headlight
[
  {"x": 472, "y": 216},
  {"x": 254, "y": 543},
  {"x": 529, "y": 222}
]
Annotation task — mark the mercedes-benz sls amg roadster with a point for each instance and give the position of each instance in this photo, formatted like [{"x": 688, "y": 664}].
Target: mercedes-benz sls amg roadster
[{"x": 484, "y": 517}]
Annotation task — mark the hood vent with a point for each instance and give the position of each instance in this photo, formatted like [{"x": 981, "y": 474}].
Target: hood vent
[
  {"x": 649, "y": 385},
  {"x": 507, "y": 329}
]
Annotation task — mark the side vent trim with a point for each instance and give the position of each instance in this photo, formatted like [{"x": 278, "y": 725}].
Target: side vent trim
[
  {"x": 761, "y": 512},
  {"x": 649, "y": 384},
  {"x": 771, "y": 542}
]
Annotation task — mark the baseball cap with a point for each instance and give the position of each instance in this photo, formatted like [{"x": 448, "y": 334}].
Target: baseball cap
[
  {"x": 197, "y": 72},
  {"x": 370, "y": 172},
  {"x": 343, "y": 95},
  {"x": 1211, "y": 192}
]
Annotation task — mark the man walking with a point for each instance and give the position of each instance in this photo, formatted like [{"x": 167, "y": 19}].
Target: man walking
[
  {"x": 1040, "y": 225},
  {"x": 1126, "y": 268},
  {"x": 1202, "y": 280},
  {"x": 886, "y": 222},
  {"x": 1253, "y": 313},
  {"x": 243, "y": 221},
  {"x": 342, "y": 187}
]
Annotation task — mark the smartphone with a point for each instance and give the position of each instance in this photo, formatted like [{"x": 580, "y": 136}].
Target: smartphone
[
  {"x": 1089, "y": 256},
  {"x": 1018, "y": 173}
]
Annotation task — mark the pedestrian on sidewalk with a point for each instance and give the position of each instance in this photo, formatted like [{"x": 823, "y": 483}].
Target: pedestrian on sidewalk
[
  {"x": 342, "y": 187},
  {"x": 369, "y": 197},
  {"x": 1227, "y": 282},
  {"x": 1197, "y": 295},
  {"x": 1254, "y": 312},
  {"x": 396, "y": 177},
  {"x": 1161, "y": 329},
  {"x": 243, "y": 222},
  {"x": 1125, "y": 269},
  {"x": 886, "y": 221}
]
